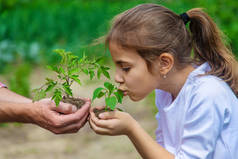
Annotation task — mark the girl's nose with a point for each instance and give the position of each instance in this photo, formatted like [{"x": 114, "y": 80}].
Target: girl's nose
[{"x": 118, "y": 78}]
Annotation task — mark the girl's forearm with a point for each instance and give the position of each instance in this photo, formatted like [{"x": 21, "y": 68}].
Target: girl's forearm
[{"x": 146, "y": 146}]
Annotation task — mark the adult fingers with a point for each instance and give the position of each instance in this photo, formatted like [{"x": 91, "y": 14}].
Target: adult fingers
[
  {"x": 72, "y": 128},
  {"x": 85, "y": 99},
  {"x": 77, "y": 116},
  {"x": 65, "y": 108}
]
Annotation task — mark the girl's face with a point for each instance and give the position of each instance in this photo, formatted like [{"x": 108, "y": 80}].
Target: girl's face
[{"x": 132, "y": 73}]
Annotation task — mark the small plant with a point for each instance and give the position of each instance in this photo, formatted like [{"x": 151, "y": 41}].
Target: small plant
[
  {"x": 67, "y": 73},
  {"x": 112, "y": 95}
]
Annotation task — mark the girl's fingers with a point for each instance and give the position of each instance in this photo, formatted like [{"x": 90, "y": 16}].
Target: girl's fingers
[
  {"x": 109, "y": 115},
  {"x": 96, "y": 121},
  {"x": 102, "y": 123},
  {"x": 92, "y": 114},
  {"x": 98, "y": 130}
]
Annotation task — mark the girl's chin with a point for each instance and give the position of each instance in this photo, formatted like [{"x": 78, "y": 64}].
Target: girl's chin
[{"x": 135, "y": 99}]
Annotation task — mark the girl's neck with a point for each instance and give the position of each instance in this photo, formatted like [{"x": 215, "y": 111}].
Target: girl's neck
[{"x": 177, "y": 79}]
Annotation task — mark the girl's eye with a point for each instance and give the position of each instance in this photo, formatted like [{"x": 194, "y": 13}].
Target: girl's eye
[{"x": 126, "y": 69}]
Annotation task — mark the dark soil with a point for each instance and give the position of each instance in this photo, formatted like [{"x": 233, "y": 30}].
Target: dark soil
[
  {"x": 97, "y": 112},
  {"x": 75, "y": 101}
]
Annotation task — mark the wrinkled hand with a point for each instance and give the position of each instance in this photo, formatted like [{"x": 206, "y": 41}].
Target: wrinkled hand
[
  {"x": 111, "y": 123},
  {"x": 62, "y": 119}
]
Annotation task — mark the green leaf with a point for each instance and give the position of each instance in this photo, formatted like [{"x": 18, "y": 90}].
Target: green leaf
[
  {"x": 105, "y": 68},
  {"x": 75, "y": 78},
  {"x": 101, "y": 94},
  {"x": 50, "y": 86},
  {"x": 60, "y": 52},
  {"x": 109, "y": 86},
  {"x": 119, "y": 95},
  {"x": 53, "y": 68},
  {"x": 111, "y": 102},
  {"x": 85, "y": 71},
  {"x": 72, "y": 61},
  {"x": 97, "y": 92},
  {"x": 105, "y": 72},
  {"x": 36, "y": 90},
  {"x": 67, "y": 89},
  {"x": 99, "y": 72},
  {"x": 59, "y": 76},
  {"x": 83, "y": 59},
  {"x": 61, "y": 70},
  {"x": 98, "y": 59},
  {"x": 57, "y": 97},
  {"x": 74, "y": 70},
  {"x": 91, "y": 73},
  {"x": 49, "y": 80}
]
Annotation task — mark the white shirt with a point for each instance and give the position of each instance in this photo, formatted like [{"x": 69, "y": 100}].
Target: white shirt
[{"x": 202, "y": 121}]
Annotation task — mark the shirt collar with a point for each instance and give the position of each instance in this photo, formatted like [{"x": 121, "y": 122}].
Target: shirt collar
[{"x": 201, "y": 69}]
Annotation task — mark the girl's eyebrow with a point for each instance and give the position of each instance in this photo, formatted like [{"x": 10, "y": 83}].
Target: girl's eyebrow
[{"x": 119, "y": 62}]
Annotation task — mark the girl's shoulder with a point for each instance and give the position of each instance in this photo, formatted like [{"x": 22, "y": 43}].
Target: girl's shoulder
[
  {"x": 210, "y": 86},
  {"x": 213, "y": 92},
  {"x": 207, "y": 85},
  {"x": 207, "y": 88}
]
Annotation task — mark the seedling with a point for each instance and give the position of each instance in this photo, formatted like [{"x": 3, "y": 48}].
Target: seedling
[
  {"x": 68, "y": 72},
  {"x": 112, "y": 95}
]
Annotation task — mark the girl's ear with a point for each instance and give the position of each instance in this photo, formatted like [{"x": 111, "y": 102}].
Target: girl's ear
[{"x": 166, "y": 62}]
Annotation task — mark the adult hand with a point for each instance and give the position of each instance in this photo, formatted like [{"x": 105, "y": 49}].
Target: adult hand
[
  {"x": 62, "y": 119},
  {"x": 111, "y": 123}
]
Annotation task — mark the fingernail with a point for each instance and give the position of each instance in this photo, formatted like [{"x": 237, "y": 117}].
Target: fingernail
[
  {"x": 101, "y": 115},
  {"x": 74, "y": 108}
]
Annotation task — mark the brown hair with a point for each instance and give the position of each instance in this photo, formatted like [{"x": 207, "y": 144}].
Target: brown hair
[{"x": 152, "y": 29}]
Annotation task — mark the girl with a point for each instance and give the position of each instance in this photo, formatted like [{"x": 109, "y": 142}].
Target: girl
[{"x": 195, "y": 78}]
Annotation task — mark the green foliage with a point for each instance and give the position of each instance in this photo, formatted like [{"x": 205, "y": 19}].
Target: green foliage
[
  {"x": 112, "y": 95},
  {"x": 68, "y": 71},
  {"x": 150, "y": 100},
  {"x": 19, "y": 79},
  {"x": 31, "y": 29},
  {"x": 3, "y": 125}
]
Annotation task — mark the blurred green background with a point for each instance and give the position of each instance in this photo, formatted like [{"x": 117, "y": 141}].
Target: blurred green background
[{"x": 31, "y": 29}]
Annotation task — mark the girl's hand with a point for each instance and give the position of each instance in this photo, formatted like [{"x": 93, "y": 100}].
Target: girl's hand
[{"x": 111, "y": 123}]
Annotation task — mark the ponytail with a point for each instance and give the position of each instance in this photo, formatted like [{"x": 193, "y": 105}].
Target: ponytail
[{"x": 209, "y": 46}]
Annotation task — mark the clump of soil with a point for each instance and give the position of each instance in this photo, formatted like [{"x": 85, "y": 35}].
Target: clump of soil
[
  {"x": 97, "y": 111},
  {"x": 75, "y": 101}
]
